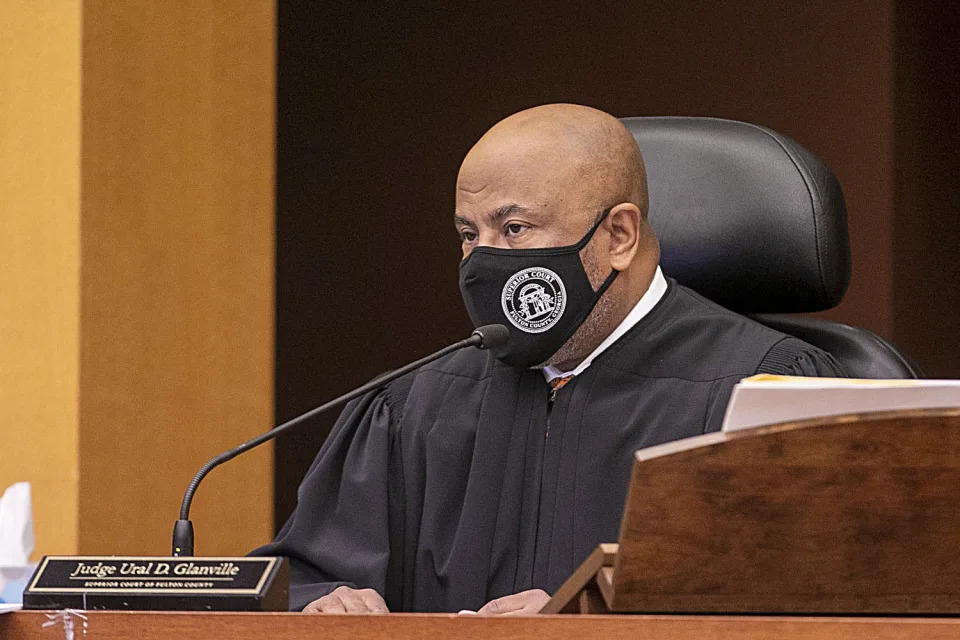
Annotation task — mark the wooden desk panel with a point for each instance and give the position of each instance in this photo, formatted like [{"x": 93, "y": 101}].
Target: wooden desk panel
[{"x": 113, "y": 625}]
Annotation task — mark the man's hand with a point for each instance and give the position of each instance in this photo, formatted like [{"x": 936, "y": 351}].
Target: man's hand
[
  {"x": 347, "y": 600},
  {"x": 525, "y": 603}
]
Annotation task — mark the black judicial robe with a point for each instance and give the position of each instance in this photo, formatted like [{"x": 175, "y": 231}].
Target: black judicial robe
[{"x": 463, "y": 482}]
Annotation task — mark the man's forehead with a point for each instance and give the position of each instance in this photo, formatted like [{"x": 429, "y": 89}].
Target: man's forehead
[
  {"x": 478, "y": 182},
  {"x": 495, "y": 185},
  {"x": 520, "y": 172},
  {"x": 492, "y": 192},
  {"x": 512, "y": 164}
]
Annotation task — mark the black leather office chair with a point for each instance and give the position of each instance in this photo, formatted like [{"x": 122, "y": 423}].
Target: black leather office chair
[{"x": 753, "y": 221}]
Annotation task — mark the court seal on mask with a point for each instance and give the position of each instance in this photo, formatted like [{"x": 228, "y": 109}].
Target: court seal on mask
[{"x": 534, "y": 299}]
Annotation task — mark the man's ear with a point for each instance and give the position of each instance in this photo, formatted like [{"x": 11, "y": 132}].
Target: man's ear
[{"x": 625, "y": 226}]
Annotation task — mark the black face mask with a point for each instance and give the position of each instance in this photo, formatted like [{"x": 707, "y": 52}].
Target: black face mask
[{"x": 541, "y": 295}]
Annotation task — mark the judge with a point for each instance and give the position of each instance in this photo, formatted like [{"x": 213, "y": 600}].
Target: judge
[{"x": 481, "y": 481}]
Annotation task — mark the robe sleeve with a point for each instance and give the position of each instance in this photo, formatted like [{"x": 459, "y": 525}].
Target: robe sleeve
[
  {"x": 339, "y": 532},
  {"x": 793, "y": 357},
  {"x": 788, "y": 357}
]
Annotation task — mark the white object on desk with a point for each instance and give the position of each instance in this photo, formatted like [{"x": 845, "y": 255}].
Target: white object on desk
[
  {"x": 767, "y": 399},
  {"x": 16, "y": 539}
]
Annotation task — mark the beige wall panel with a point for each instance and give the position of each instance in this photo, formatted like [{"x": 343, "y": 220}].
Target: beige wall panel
[
  {"x": 177, "y": 270},
  {"x": 39, "y": 259}
]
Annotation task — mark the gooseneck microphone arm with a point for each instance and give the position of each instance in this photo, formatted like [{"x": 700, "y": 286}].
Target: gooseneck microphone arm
[{"x": 486, "y": 337}]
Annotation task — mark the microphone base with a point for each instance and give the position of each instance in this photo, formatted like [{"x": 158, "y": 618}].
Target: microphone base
[{"x": 182, "y": 539}]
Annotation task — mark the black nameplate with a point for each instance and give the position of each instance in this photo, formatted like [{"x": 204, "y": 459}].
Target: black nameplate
[{"x": 159, "y": 583}]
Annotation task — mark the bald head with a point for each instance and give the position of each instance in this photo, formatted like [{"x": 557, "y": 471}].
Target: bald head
[
  {"x": 573, "y": 157},
  {"x": 541, "y": 178}
]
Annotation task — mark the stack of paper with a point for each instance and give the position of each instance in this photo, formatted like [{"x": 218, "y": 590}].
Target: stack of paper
[{"x": 767, "y": 399}]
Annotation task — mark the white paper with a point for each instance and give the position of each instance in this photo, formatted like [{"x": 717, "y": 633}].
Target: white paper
[
  {"x": 7, "y": 608},
  {"x": 763, "y": 400},
  {"x": 16, "y": 533}
]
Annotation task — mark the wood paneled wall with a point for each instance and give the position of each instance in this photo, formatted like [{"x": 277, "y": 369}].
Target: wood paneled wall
[
  {"x": 167, "y": 346},
  {"x": 177, "y": 270}
]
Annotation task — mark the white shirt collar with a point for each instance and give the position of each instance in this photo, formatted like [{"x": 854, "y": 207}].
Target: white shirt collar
[{"x": 658, "y": 287}]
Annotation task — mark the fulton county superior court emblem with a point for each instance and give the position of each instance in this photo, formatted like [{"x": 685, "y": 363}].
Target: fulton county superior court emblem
[{"x": 534, "y": 299}]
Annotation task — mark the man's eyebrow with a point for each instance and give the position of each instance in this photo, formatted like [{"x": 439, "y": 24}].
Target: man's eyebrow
[
  {"x": 494, "y": 216},
  {"x": 502, "y": 212}
]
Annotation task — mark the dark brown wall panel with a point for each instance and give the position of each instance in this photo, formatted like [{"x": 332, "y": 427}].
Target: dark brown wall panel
[
  {"x": 377, "y": 105},
  {"x": 927, "y": 231}
]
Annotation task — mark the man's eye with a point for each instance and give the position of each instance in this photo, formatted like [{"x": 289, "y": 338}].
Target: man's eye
[
  {"x": 515, "y": 228},
  {"x": 466, "y": 235}
]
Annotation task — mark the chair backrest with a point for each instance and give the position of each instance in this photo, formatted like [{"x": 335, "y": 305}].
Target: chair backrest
[{"x": 755, "y": 222}]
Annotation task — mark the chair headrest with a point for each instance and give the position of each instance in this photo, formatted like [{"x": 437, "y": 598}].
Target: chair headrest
[{"x": 745, "y": 216}]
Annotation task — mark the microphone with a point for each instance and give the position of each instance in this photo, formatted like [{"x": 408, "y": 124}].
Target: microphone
[{"x": 488, "y": 336}]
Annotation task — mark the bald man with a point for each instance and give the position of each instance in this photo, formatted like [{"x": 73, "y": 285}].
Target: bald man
[{"x": 481, "y": 481}]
